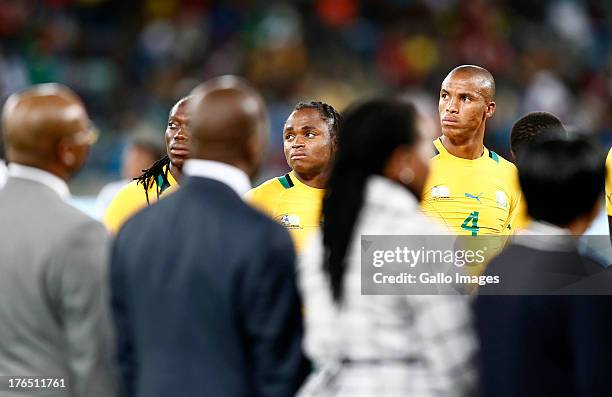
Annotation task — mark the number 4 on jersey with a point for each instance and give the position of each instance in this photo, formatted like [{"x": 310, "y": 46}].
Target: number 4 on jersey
[{"x": 473, "y": 218}]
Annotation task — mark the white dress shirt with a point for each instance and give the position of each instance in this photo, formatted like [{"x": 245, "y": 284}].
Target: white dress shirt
[
  {"x": 232, "y": 176},
  {"x": 41, "y": 176}
]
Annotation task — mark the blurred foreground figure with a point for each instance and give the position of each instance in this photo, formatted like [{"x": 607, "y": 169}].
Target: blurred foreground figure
[
  {"x": 525, "y": 130},
  {"x": 534, "y": 345},
  {"x": 54, "y": 319},
  {"x": 386, "y": 345},
  {"x": 203, "y": 285},
  {"x": 294, "y": 200},
  {"x": 161, "y": 179}
]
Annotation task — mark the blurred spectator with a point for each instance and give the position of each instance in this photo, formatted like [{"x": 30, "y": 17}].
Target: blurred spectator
[
  {"x": 140, "y": 154},
  {"x": 379, "y": 345},
  {"x": 547, "y": 93}
]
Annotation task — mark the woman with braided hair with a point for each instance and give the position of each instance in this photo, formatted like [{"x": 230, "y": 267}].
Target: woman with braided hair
[
  {"x": 161, "y": 179},
  {"x": 294, "y": 199}
]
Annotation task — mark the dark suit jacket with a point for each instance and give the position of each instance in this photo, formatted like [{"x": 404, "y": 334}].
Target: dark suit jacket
[
  {"x": 537, "y": 345},
  {"x": 204, "y": 298}
]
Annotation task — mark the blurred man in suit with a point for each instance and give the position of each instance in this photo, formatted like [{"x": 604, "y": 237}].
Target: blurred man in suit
[
  {"x": 203, "y": 287},
  {"x": 534, "y": 345},
  {"x": 54, "y": 319}
]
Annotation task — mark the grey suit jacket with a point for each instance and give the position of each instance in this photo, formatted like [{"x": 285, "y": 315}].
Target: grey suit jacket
[{"x": 54, "y": 316}]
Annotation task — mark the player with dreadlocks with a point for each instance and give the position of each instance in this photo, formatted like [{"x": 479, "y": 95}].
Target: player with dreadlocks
[
  {"x": 162, "y": 178},
  {"x": 294, "y": 199}
]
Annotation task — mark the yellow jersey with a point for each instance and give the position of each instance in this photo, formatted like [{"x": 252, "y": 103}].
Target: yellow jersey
[
  {"x": 609, "y": 183},
  {"x": 522, "y": 219},
  {"x": 472, "y": 197},
  {"x": 132, "y": 198},
  {"x": 291, "y": 203}
]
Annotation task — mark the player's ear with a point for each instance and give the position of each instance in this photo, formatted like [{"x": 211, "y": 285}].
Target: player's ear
[{"x": 490, "y": 109}]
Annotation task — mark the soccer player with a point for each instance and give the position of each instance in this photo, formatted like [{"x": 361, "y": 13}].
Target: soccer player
[
  {"x": 162, "y": 178},
  {"x": 524, "y": 131},
  {"x": 294, "y": 200},
  {"x": 470, "y": 189}
]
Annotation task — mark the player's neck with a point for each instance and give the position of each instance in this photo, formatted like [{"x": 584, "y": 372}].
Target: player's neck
[
  {"x": 470, "y": 149},
  {"x": 176, "y": 172},
  {"x": 317, "y": 181}
]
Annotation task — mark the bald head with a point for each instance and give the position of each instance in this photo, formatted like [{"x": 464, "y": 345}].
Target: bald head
[
  {"x": 228, "y": 123},
  {"x": 35, "y": 121},
  {"x": 482, "y": 78}
]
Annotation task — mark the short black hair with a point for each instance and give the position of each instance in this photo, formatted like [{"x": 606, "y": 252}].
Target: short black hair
[
  {"x": 531, "y": 126},
  {"x": 327, "y": 111},
  {"x": 562, "y": 177}
]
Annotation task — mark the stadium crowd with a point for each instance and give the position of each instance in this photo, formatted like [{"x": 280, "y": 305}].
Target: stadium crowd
[{"x": 131, "y": 61}]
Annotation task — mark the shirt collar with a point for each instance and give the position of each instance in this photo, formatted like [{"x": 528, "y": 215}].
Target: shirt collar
[
  {"x": 232, "y": 176},
  {"x": 297, "y": 181},
  {"x": 443, "y": 151},
  {"x": 41, "y": 176},
  {"x": 170, "y": 177}
]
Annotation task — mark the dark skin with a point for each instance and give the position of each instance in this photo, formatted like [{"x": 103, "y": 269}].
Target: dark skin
[
  {"x": 177, "y": 136},
  {"x": 229, "y": 124},
  {"x": 466, "y": 102},
  {"x": 309, "y": 146},
  {"x": 47, "y": 127},
  {"x": 415, "y": 157}
]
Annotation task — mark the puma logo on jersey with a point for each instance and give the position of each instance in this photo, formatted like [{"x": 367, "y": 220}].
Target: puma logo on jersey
[{"x": 475, "y": 197}]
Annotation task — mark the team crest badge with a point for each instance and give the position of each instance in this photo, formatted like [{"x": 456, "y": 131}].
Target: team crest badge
[
  {"x": 290, "y": 221},
  {"x": 440, "y": 191},
  {"x": 502, "y": 201}
]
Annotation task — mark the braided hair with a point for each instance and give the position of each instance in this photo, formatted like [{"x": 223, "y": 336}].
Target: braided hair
[
  {"x": 327, "y": 112},
  {"x": 152, "y": 176},
  {"x": 370, "y": 133}
]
